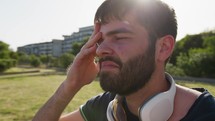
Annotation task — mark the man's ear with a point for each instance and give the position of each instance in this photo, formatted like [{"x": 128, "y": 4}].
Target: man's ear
[{"x": 164, "y": 48}]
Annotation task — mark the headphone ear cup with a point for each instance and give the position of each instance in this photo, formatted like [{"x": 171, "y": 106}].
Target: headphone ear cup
[
  {"x": 159, "y": 107},
  {"x": 156, "y": 109}
]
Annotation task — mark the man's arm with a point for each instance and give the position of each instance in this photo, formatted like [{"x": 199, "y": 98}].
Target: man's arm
[
  {"x": 74, "y": 116},
  {"x": 81, "y": 72}
]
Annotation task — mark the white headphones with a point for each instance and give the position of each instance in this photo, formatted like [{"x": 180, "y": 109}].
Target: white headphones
[{"x": 157, "y": 108}]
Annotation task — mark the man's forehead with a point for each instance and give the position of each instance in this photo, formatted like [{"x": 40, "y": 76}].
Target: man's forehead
[
  {"x": 128, "y": 22},
  {"x": 116, "y": 25},
  {"x": 122, "y": 26}
]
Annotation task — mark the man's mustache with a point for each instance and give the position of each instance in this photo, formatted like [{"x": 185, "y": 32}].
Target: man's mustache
[{"x": 113, "y": 59}]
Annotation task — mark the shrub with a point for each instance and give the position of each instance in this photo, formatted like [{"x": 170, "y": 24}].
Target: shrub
[
  {"x": 35, "y": 61},
  {"x": 173, "y": 70},
  {"x": 66, "y": 59},
  {"x": 6, "y": 64}
]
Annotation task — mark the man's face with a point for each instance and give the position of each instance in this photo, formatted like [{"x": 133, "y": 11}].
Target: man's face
[{"x": 126, "y": 59}]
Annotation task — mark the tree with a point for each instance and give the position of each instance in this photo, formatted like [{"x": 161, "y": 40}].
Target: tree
[
  {"x": 35, "y": 61},
  {"x": 7, "y": 57},
  {"x": 4, "y": 50},
  {"x": 197, "y": 63},
  {"x": 195, "y": 55},
  {"x": 54, "y": 62},
  {"x": 174, "y": 70},
  {"x": 46, "y": 59},
  {"x": 23, "y": 59},
  {"x": 76, "y": 46},
  {"x": 209, "y": 44},
  {"x": 66, "y": 59},
  {"x": 183, "y": 46}
]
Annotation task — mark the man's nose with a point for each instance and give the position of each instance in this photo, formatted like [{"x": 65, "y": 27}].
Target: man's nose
[{"x": 104, "y": 49}]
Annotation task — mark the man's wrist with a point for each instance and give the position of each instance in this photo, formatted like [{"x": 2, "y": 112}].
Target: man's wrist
[{"x": 68, "y": 89}]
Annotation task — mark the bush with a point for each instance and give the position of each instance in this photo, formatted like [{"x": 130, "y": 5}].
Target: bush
[
  {"x": 6, "y": 64},
  {"x": 24, "y": 59},
  {"x": 53, "y": 62},
  {"x": 173, "y": 70},
  {"x": 66, "y": 59},
  {"x": 35, "y": 61},
  {"x": 197, "y": 63}
]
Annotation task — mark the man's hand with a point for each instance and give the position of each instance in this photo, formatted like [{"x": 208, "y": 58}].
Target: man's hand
[{"x": 84, "y": 69}]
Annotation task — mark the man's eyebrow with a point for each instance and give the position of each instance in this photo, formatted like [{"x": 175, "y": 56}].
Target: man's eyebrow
[{"x": 117, "y": 31}]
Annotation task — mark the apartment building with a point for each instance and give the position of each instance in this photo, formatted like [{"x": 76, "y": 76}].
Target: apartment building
[
  {"x": 83, "y": 33},
  {"x": 57, "y": 47},
  {"x": 53, "y": 48}
]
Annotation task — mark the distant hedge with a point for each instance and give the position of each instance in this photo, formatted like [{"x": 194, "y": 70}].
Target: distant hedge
[{"x": 6, "y": 64}]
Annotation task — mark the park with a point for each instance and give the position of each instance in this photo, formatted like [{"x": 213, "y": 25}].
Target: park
[
  {"x": 24, "y": 89},
  {"x": 22, "y": 96}
]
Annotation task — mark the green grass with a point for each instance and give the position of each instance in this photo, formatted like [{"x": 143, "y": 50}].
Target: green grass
[
  {"x": 21, "y": 97},
  {"x": 192, "y": 84},
  {"x": 16, "y": 69}
]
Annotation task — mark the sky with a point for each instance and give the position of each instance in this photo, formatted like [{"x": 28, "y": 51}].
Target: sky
[{"x": 24, "y": 22}]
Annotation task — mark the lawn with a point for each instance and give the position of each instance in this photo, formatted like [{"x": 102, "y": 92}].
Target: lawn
[
  {"x": 192, "y": 84},
  {"x": 17, "y": 69},
  {"x": 21, "y": 97}
]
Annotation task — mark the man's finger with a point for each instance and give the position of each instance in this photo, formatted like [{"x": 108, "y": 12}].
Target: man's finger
[
  {"x": 96, "y": 29},
  {"x": 92, "y": 41}
]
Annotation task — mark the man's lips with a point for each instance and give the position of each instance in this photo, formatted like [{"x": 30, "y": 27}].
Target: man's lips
[{"x": 109, "y": 65}]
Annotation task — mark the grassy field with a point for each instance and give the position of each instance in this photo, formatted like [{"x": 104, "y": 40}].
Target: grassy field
[
  {"x": 21, "y": 97},
  {"x": 17, "y": 69}
]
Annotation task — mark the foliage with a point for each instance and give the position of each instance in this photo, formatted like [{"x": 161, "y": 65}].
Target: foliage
[
  {"x": 32, "y": 60},
  {"x": 66, "y": 59},
  {"x": 174, "y": 70},
  {"x": 76, "y": 46},
  {"x": 4, "y": 50},
  {"x": 6, "y": 64},
  {"x": 190, "y": 63},
  {"x": 46, "y": 59},
  {"x": 23, "y": 59},
  {"x": 195, "y": 55},
  {"x": 54, "y": 62},
  {"x": 7, "y": 57},
  {"x": 35, "y": 61},
  {"x": 183, "y": 46},
  {"x": 13, "y": 55},
  {"x": 209, "y": 44}
]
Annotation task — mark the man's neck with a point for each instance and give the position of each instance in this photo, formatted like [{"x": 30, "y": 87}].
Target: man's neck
[{"x": 155, "y": 85}]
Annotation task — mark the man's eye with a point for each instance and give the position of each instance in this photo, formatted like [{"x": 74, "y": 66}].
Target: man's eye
[{"x": 120, "y": 38}]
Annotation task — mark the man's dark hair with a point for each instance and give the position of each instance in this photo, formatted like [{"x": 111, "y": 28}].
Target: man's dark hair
[{"x": 157, "y": 17}]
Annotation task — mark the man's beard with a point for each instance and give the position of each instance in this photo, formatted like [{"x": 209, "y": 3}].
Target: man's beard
[{"x": 132, "y": 75}]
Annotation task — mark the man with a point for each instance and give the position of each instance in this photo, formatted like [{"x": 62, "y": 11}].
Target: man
[{"x": 133, "y": 40}]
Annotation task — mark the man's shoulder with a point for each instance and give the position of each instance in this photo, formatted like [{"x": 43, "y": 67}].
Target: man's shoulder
[
  {"x": 95, "y": 108},
  {"x": 203, "y": 108},
  {"x": 100, "y": 101},
  {"x": 103, "y": 97}
]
